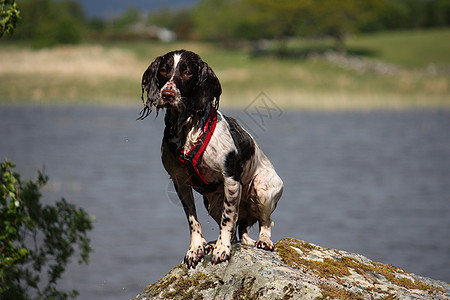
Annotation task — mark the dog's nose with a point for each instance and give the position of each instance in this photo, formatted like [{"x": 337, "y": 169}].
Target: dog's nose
[{"x": 168, "y": 95}]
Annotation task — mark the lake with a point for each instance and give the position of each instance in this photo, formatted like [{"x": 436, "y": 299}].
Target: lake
[{"x": 376, "y": 183}]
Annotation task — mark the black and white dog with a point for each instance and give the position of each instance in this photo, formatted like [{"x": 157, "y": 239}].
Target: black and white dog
[{"x": 210, "y": 153}]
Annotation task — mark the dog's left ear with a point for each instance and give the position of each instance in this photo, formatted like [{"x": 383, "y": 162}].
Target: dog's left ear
[
  {"x": 150, "y": 85},
  {"x": 208, "y": 87}
]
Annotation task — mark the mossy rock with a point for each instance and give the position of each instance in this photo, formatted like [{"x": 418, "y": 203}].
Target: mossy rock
[{"x": 295, "y": 270}]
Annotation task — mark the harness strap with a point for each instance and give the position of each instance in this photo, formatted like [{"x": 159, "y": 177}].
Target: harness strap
[{"x": 193, "y": 157}]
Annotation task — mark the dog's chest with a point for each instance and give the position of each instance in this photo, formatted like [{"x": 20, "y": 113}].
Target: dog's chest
[{"x": 191, "y": 151}]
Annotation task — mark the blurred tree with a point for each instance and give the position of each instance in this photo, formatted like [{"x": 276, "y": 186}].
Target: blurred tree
[
  {"x": 439, "y": 13},
  {"x": 410, "y": 14},
  {"x": 49, "y": 22},
  {"x": 340, "y": 18},
  {"x": 278, "y": 19},
  {"x": 394, "y": 15},
  {"x": 220, "y": 20},
  {"x": 256, "y": 19},
  {"x": 179, "y": 21},
  {"x": 9, "y": 15},
  {"x": 127, "y": 18}
]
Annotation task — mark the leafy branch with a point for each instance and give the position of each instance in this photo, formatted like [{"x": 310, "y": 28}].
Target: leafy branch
[
  {"x": 37, "y": 241},
  {"x": 9, "y": 15}
]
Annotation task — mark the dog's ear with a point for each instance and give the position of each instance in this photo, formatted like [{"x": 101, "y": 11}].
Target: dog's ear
[
  {"x": 150, "y": 85},
  {"x": 208, "y": 86}
]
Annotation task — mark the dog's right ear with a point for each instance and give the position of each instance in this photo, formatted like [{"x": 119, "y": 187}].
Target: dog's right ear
[{"x": 151, "y": 86}]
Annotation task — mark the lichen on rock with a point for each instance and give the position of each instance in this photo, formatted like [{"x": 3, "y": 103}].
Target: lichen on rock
[{"x": 295, "y": 270}]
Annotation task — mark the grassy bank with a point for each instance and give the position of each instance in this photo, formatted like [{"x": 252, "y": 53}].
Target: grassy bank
[{"x": 110, "y": 73}]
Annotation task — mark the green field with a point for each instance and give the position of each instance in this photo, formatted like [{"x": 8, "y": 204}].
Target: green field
[
  {"x": 110, "y": 73},
  {"x": 409, "y": 48}
]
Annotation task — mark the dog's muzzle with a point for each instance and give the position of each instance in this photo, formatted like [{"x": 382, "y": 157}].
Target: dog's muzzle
[{"x": 170, "y": 96}]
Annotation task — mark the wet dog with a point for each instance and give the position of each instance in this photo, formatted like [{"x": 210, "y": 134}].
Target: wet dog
[{"x": 206, "y": 151}]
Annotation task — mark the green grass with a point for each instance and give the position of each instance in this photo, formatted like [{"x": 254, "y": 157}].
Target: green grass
[
  {"x": 408, "y": 48},
  {"x": 110, "y": 73}
]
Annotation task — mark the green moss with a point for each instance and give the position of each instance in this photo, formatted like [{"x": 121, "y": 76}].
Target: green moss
[
  {"x": 290, "y": 242},
  {"x": 163, "y": 284},
  {"x": 188, "y": 287},
  {"x": 288, "y": 254},
  {"x": 328, "y": 268},
  {"x": 390, "y": 272},
  {"x": 331, "y": 292},
  {"x": 340, "y": 268},
  {"x": 160, "y": 284}
]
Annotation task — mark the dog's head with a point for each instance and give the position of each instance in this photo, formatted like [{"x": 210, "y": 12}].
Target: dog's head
[{"x": 179, "y": 80}]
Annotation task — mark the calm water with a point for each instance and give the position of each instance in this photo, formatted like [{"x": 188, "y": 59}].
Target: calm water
[{"x": 375, "y": 183}]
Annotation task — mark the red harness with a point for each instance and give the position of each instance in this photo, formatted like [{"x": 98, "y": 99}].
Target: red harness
[{"x": 192, "y": 158}]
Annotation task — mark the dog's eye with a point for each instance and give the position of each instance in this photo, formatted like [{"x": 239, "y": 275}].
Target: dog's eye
[
  {"x": 187, "y": 74},
  {"x": 163, "y": 72}
]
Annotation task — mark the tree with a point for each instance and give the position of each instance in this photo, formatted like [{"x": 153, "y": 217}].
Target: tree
[
  {"x": 226, "y": 20},
  {"x": 218, "y": 20},
  {"x": 37, "y": 241},
  {"x": 128, "y": 18},
  {"x": 178, "y": 20},
  {"x": 338, "y": 19},
  {"x": 9, "y": 15},
  {"x": 48, "y": 22},
  {"x": 334, "y": 18},
  {"x": 287, "y": 18},
  {"x": 278, "y": 19}
]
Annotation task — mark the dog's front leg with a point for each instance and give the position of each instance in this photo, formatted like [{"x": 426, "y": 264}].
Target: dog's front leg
[
  {"x": 196, "y": 249},
  {"x": 222, "y": 250}
]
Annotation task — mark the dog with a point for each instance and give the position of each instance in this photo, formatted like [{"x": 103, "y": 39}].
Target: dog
[{"x": 206, "y": 151}]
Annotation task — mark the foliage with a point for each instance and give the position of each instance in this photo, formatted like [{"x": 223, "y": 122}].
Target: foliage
[
  {"x": 128, "y": 18},
  {"x": 410, "y": 14},
  {"x": 255, "y": 19},
  {"x": 36, "y": 239},
  {"x": 338, "y": 19},
  {"x": 48, "y": 22},
  {"x": 221, "y": 20},
  {"x": 179, "y": 21},
  {"x": 228, "y": 20},
  {"x": 9, "y": 15}
]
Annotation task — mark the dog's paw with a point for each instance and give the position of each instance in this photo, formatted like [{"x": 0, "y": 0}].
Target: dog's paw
[
  {"x": 194, "y": 255},
  {"x": 221, "y": 253},
  {"x": 265, "y": 245}
]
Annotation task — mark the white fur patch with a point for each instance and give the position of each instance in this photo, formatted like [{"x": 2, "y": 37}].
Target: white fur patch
[{"x": 176, "y": 60}]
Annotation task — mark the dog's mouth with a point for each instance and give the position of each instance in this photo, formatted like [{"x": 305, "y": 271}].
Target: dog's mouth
[
  {"x": 148, "y": 108},
  {"x": 167, "y": 104}
]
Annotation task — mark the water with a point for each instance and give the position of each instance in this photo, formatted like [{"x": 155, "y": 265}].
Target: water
[{"x": 375, "y": 183}]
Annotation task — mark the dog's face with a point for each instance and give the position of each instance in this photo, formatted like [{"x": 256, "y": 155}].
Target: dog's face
[{"x": 180, "y": 80}]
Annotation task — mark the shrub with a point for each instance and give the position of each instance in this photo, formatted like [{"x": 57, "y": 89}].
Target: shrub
[
  {"x": 37, "y": 241},
  {"x": 9, "y": 15}
]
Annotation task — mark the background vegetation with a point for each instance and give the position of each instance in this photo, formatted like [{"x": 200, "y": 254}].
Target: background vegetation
[
  {"x": 37, "y": 241},
  {"x": 309, "y": 54},
  {"x": 9, "y": 15}
]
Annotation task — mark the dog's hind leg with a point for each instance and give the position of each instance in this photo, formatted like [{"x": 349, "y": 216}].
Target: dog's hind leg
[
  {"x": 269, "y": 188},
  {"x": 243, "y": 233},
  {"x": 196, "y": 249}
]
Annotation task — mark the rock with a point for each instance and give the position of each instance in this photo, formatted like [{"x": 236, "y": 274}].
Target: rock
[{"x": 295, "y": 270}]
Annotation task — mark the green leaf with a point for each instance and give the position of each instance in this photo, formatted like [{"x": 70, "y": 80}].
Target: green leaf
[{"x": 37, "y": 241}]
